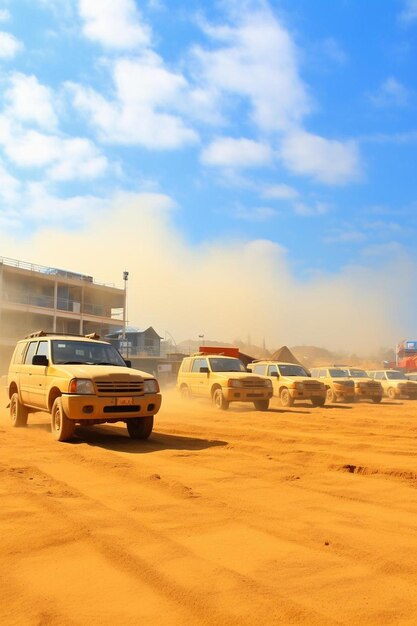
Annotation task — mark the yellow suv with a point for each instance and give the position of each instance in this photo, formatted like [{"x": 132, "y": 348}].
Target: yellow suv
[
  {"x": 365, "y": 387},
  {"x": 79, "y": 380},
  {"x": 395, "y": 384},
  {"x": 224, "y": 379},
  {"x": 339, "y": 386},
  {"x": 291, "y": 382}
]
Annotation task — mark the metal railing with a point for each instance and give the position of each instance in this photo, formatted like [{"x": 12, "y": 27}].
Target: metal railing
[
  {"x": 63, "y": 304},
  {"x": 51, "y": 271}
]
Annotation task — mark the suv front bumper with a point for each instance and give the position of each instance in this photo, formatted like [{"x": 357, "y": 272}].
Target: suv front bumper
[
  {"x": 86, "y": 407},
  {"x": 250, "y": 394}
]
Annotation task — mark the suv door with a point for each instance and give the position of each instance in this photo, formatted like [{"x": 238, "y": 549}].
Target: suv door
[
  {"x": 38, "y": 383},
  {"x": 199, "y": 380},
  {"x": 25, "y": 378}
]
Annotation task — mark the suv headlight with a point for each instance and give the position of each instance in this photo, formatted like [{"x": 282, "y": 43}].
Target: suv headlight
[
  {"x": 298, "y": 386},
  {"x": 81, "y": 386},
  {"x": 234, "y": 382},
  {"x": 151, "y": 386}
]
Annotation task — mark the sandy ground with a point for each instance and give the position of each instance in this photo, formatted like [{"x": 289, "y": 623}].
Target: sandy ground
[{"x": 297, "y": 516}]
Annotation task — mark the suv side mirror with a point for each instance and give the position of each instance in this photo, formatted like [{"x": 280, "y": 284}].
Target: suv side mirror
[
  {"x": 274, "y": 374},
  {"x": 204, "y": 370},
  {"x": 40, "y": 359},
  {"x": 128, "y": 362}
]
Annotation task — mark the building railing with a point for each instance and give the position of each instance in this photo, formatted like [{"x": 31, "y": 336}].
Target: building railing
[
  {"x": 48, "y": 302},
  {"x": 51, "y": 271}
]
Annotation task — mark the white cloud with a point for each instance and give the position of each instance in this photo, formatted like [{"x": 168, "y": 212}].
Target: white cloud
[
  {"x": 64, "y": 158},
  {"x": 30, "y": 101},
  {"x": 256, "y": 214},
  {"x": 327, "y": 160},
  {"x": 9, "y": 186},
  {"x": 40, "y": 205},
  {"x": 229, "y": 152},
  {"x": 4, "y": 15},
  {"x": 280, "y": 192},
  {"x": 346, "y": 236},
  {"x": 310, "y": 210},
  {"x": 9, "y": 45},
  {"x": 258, "y": 61},
  {"x": 384, "y": 250},
  {"x": 409, "y": 13},
  {"x": 143, "y": 113},
  {"x": 332, "y": 49},
  {"x": 113, "y": 23},
  {"x": 390, "y": 93}
]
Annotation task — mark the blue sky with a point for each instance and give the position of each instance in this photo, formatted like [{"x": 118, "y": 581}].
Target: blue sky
[{"x": 290, "y": 123}]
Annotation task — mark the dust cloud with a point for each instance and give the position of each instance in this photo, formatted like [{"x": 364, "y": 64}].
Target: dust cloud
[{"x": 224, "y": 289}]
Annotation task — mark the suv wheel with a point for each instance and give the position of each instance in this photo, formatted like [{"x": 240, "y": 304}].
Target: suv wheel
[
  {"x": 219, "y": 400},
  {"x": 318, "y": 401},
  {"x": 185, "y": 392},
  {"x": 285, "y": 397},
  {"x": 140, "y": 427},
  {"x": 391, "y": 393},
  {"x": 261, "y": 405},
  {"x": 62, "y": 427},
  {"x": 331, "y": 396},
  {"x": 18, "y": 411}
]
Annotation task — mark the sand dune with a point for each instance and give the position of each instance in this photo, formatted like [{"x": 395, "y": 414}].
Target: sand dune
[{"x": 298, "y": 516}]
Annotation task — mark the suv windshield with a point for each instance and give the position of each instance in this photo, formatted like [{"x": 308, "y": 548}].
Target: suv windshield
[
  {"x": 292, "y": 370},
  {"x": 396, "y": 376},
  {"x": 337, "y": 373},
  {"x": 357, "y": 373},
  {"x": 226, "y": 365},
  {"x": 85, "y": 352}
]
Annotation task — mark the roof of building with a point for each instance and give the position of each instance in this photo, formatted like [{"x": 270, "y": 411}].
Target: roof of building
[
  {"x": 130, "y": 330},
  {"x": 284, "y": 355}
]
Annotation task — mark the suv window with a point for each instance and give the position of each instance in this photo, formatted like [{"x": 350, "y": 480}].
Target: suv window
[
  {"x": 43, "y": 348},
  {"x": 199, "y": 363},
  {"x": 380, "y": 375},
  {"x": 19, "y": 352},
  {"x": 322, "y": 373},
  {"x": 30, "y": 352},
  {"x": 272, "y": 368},
  {"x": 186, "y": 365},
  {"x": 258, "y": 369}
]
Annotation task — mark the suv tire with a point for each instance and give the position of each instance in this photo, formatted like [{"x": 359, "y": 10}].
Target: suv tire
[
  {"x": 318, "y": 401},
  {"x": 331, "y": 396},
  {"x": 62, "y": 427},
  {"x": 18, "y": 412},
  {"x": 140, "y": 427},
  {"x": 261, "y": 405},
  {"x": 285, "y": 397},
  {"x": 219, "y": 401}
]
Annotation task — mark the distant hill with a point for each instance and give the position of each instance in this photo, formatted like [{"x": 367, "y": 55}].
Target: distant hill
[{"x": 310, "y": 356}]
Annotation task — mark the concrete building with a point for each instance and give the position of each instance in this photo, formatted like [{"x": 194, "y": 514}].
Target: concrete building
[
  {"x": 137, "y": 342},
  {"x": 34, "y": 297}
]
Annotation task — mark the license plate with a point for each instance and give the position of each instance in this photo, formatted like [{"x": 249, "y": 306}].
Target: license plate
[{"x": 124, "y": 401}]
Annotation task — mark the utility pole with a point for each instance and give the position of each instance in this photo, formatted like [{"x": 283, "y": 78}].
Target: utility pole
[{"x": 125, "y": 279}]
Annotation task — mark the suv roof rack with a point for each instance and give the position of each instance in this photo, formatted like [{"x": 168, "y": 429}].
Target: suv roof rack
[{"x": 46, "y": 333}]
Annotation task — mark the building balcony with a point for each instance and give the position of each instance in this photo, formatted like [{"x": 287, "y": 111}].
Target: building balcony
[{"x": 40, "y": 301}]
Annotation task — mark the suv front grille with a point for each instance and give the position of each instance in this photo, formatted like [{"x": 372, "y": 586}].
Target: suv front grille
[
  {"x": 312, "y": 386},
  {"x": 254, "y": 382},
  {"x": 113, "y": 387}
]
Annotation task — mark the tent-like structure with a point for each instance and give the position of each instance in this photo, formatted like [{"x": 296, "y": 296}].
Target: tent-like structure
[{"x": 285, "y": 355}]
